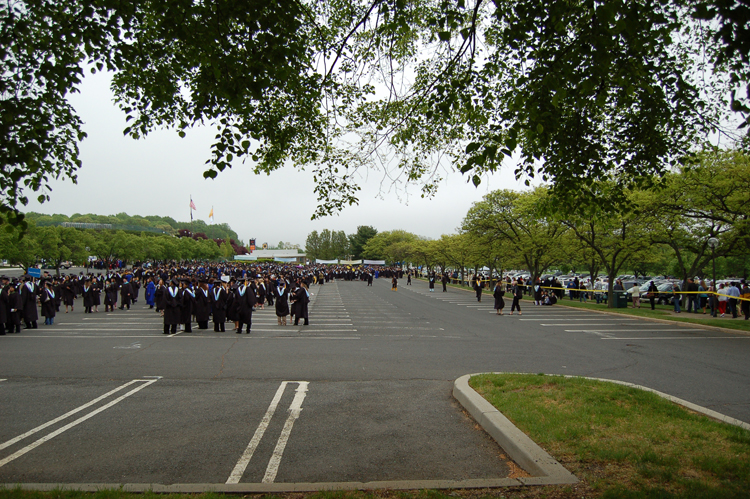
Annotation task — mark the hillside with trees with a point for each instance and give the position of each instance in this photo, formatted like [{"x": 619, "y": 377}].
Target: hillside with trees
[{"x": 152, "y": 223}]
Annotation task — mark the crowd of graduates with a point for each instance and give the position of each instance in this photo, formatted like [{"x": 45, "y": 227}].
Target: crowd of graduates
[{"x": 182, "y": 293}]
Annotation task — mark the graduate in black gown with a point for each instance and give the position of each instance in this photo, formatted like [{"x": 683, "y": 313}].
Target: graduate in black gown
[
  {"x": 187, "y": 300},
  {"x": 281, "y": 292},
  {"x": 245, "y": 297},
  {"x": 49, "y": 306},
  {"x": 219, "y": 296},
  {"x": 29, "y": 292},
  {"x": 202, "y": 304},
  {"x": 301, "y": 299},
  {"x": 171, "y": 308}
]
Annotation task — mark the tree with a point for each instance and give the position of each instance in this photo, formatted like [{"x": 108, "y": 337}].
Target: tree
[
  {"x": 514, "y": 220},
  {"x": 358, "y": 240},
  {"x": 379, "y": 247},
  {"x": 339, "y": 244},
  {"x": 617, "y": 238},
  {"x": 312, "y": 245},
  {"x": 582, "y": 90},
  {"x": 457, "y": 250}
]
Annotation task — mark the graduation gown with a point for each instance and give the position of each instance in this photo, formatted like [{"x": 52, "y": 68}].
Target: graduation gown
[
  {"x": 96, "y": 293},
  {"x": 187, "y": 299},
  {"x": 29, "y": 292},
  {"x": 110, "y": 294},
  {"x": 282, "y": 301},
  {"x": 126, "y": 294},
  {"x": 300, "y": 304},
  {"x": 48, "y": 303},
  {"x": 498, "y": 295},
  {"x": 150, "y": 294},
  {"x": 88, "y": 296},
  {"x": 245, "y": 302},
  {"x": 202, "y": 305},
  {"x": 15, "y": 306},
  {"x": 172, "y": 298},
  {"x": 219, "y": 297}
]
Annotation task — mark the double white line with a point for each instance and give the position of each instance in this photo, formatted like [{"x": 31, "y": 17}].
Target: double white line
[
  {"x": 273, "y": 464},
  {"x": 50, "y": 436}
]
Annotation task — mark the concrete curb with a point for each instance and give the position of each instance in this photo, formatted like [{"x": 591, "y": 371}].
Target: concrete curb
[
  {"x": 545, "y": 470},
  {"x": 265, "y": 488}
]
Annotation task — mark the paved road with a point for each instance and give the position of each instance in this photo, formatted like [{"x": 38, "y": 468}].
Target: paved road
[{"x": 362, "y": 394}]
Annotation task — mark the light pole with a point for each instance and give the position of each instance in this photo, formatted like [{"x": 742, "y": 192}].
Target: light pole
[{"x": 713, "y": 243}]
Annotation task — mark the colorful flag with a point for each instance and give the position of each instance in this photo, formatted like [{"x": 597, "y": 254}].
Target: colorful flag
[
  {"x": 211, "y": 215},
  {"x": 192, "y": 205}
]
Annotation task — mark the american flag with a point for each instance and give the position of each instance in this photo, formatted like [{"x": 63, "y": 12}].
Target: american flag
[{"x": 192, "y": 205}]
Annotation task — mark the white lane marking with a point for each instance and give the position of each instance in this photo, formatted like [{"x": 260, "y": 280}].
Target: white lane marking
[
  {"x": 1, "y": 380},
  {"x": 132, "y": 346},
  {"x": 107, "y": 322},
  {"x": 239, "y": 468},
  {"x": 78, "y": 421},
  {"x": 684, "y": 330},
  {"x": 66, "y": 415},
  {"x": 294, "y": 412},
  {"x": 97, "y": 329},
  {"x": 574, "y": 324},
  {"x": 570, "y": 318},
  {"x": 683, "y": 338}
]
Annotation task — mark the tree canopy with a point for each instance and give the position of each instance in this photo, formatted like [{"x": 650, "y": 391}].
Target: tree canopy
[{"x": 580, "y": 91}]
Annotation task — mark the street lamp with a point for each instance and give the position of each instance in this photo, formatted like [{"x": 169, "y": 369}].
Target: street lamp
[{"x": 713, "y": 243}]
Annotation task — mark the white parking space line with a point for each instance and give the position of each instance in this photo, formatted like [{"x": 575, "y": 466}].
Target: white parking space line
[
  {"x": 569, "y": 318},
  {"x": 294, "y": 412},
  {"x": 684, "y": 330},
  {"x": 241, "y": 466},
  {"x": 575, "y": 324},
  {"x": 72, "y": 424},
  {"x": 64, "y": 416},
  {"x": 273, "y": 465},
  {"x": 682, "y": 338}
]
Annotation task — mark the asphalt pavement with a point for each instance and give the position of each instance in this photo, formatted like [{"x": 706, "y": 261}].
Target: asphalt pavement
[{"x": 361, "y": 394}]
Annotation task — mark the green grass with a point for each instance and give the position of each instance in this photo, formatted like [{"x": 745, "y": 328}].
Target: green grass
[{"x": 622, "y": 441}]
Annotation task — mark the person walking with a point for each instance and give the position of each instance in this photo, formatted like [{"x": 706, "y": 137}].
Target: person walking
[
  {"x": 636, "y": 295},
  {"x": 517, "y": 291},
  {"x": 478, "y": 285},
  {"x": 498, "y": 294},
  {"x": 652, "y": 292}
]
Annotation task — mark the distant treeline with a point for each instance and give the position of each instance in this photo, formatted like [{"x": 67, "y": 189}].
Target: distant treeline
[{"x": 123, "y": 221}]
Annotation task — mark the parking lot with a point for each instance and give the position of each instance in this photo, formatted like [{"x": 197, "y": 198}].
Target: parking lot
[{"x": 362, "y": 394}]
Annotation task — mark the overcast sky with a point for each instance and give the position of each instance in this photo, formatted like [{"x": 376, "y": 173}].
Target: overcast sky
[{"x": 157, "y": 176}]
